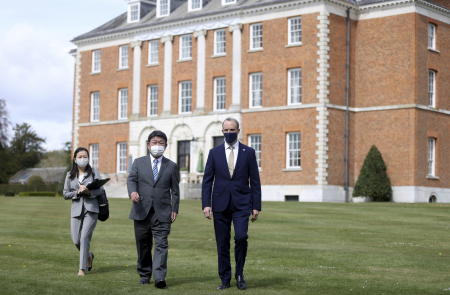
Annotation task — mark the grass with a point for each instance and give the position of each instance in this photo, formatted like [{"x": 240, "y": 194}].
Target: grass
[{"x": 294, "y": 248}]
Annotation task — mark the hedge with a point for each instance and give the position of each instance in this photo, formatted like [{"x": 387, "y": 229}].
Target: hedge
[
  {"x": 37, "y": 194},
  {"x": 10, "y": 189}
]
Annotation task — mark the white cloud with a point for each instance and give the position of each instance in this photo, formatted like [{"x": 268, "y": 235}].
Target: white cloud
[{"x": 36, "y": 80}]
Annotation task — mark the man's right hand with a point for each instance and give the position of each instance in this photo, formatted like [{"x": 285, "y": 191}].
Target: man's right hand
[
  {"x": 207, "y": 212},
  {"x": 135, "y": 197}
]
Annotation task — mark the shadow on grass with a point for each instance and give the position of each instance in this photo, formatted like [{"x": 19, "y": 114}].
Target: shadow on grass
[
  {"x": 113, "y": 268},
  {"x": 178, "y": 281},
  {"x": 272, "y": 281}
]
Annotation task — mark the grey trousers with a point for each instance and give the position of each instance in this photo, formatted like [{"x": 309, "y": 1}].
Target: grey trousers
[
  {"x": 146, "y": 231},
  {"x": 82, "y": 228}
]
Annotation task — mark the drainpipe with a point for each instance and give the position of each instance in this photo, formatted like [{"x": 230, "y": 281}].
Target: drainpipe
[{"x": 347, "y": 113}]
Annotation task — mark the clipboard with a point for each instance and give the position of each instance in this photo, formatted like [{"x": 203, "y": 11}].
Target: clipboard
[{"x": 97, "y": 183}]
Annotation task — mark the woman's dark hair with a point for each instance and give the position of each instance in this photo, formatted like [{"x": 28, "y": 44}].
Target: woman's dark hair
[
  {"x": 74, "y": 170},
  {"x": 157, "y": 133}
]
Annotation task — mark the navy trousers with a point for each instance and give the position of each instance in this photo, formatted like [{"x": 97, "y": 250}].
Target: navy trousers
[{"x": 222, "y": 227}]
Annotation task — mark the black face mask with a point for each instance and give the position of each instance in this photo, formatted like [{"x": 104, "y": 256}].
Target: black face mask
[{"x": 230, "y": 137}]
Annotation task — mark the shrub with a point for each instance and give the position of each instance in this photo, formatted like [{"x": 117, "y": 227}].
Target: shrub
[
  {"x": 37, "y": 194},
  {"x": 36, "y": 182},
  {"x": 373, "y": 180}
]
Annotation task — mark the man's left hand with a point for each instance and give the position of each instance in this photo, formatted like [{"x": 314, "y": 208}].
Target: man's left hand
[
  {"x": 255, "y": 214},
  {"x": 173, "y": 216}
]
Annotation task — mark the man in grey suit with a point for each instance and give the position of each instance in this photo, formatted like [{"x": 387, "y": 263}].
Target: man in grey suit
[{"x": 153, "y": 187}]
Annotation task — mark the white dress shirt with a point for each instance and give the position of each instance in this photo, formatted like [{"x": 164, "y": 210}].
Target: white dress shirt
[
  {"x": 159, "y": 162},
  {"x": 235, "y": 151}
]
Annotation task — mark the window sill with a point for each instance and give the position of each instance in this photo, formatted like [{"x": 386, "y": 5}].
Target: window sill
[
  {"x": 152, "y": 65},
  {"x": 294, "y": 103},
  {"x": 122, "y": 69},
  {"x": 184, "y": 113},
  {"x": 294, "y": 45},
  {"x": 94, "y": 121},
  {"x": 432, "y": 177},
  {"x": 184, "y": 60},
  {"x": 255, "y": 50},
  {"x": 218, "y": 55},
  {"x": 220, "y": 111},
  {"x": 95, "y": 73},
  {"x": 292, "y": 169},
  {"x": 433, "y": 50},
  {"x": 255, "y": 107},
  {"x": 122, "y": 119}
]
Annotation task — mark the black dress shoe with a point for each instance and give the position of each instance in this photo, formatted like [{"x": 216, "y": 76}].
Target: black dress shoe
[
  {"x": 241, "y": 283},
  {"x": 160, "y": 284},
  {"x": 144, "y": 280},
  {"x": 223, "y": 286}
]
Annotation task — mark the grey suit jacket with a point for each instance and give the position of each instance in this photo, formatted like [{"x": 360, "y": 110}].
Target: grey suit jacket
[
  {"x": 163, "y": 195},
  {"x": 70, "y": 193}
]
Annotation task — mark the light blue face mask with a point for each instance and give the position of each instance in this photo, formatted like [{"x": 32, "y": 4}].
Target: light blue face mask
[
  {"x": 82, "y": 162},
  {"x": 157, "y": 150}
]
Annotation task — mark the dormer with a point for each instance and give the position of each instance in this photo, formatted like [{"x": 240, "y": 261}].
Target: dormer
[
  {"x": 138, "y": 8},
  {"x": 194, "y": 5},
  {"x": 228, "y": 2},
  {"x": 165, "y": 7}
]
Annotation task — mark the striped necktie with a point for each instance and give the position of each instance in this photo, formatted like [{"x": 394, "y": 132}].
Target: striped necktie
[{"x": 155, "y": 169}]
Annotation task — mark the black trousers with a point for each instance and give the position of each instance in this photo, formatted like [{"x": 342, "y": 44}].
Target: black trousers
[
  {"x": 146, "y": 231},
  {"x": 222, "y": 227}
]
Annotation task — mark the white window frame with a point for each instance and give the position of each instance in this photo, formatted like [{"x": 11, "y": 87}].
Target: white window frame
[
  {"x": 94, "y": 154},
  {"x": 432, "y": 29},
  {"x": 153, "y": 52},
  {"x": 123, "y": 57},
  {"x": 290, "y": 151},
  {"x": 220, "y": 91},
  {"x": 121, "y": 157},
  {"x": 255, "y": 142},
  {"x": 134, "y": 12},
  {"x": 122, "y": 111},
  {"x": 95, "y": 106},
  {"x": 152, "y": 100},
  {"x": 96, "y": 61},
  {"x": 228, "y": 2},
  {"x": 253, "y": 37},
  {"x": 191, "y": 5},
  {"x": 292, "y": 32},
  {"x": 184, "y": 97},
  {"x": 220, "y": 45},
  {"x": 185, "y": 50},
  {"x": 160, "y": 4},
  {"x": 291, "y": 88},
  {"x": 431, "y": 157},
  {"x": 432, "y": 88},
  {"x": 253, "y": 91}
]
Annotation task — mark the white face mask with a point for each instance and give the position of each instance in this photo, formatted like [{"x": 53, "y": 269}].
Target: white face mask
[
  {"x": 157, "y": 150},
  {"x": 82, "y": 162}
]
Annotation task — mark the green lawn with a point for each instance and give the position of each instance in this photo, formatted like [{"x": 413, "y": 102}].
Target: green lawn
[{"x": 294, "y": 248}]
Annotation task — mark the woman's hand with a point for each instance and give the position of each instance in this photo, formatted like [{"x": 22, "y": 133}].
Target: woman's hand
[{"x": 82, "y": 189}]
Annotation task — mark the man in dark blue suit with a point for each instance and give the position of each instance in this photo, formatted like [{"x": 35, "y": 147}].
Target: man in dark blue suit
[{"x": 231, "y": 192}]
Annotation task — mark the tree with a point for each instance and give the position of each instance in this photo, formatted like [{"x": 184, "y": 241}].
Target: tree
[
  {"x": 373, "y": 180},
  {"x": 4, "y": 124},
  {"x": 26, "y": 147}
]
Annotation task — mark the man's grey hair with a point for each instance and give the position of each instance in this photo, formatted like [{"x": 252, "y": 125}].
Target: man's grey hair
[{"x": 231, "y": 119}]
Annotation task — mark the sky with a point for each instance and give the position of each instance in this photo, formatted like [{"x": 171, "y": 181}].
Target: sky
[{"x": 36, "y": 76}]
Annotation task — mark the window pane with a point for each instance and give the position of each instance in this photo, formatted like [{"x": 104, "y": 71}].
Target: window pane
[
  {"x": 196, "y": 4},
  {"x": 134, "y": 12},
  {"x": 185, "y": 96},
  {"x": 432, "y": 36},
  {"x": 152, "y": 100},
  {"x": 96, "y": 61},
  {"x": 256, "y": 89},
  {"x": 123, "y": 57},
  {"x": 186, "y": 47},
  {"x": 220, "y": 42},
  {"x": 295, "y": 30},
  {"x": 293, "y": 151},
  {"x": 94, "y": 155},
  {"x": 256, "y": 41},
  {"x": 153, "y": 52},
  {"x": 295, "y": 84},
  {"x": 431, "y": 88},
  {"x": 220, "y": 93},
  {"x": 123, "y": 103},
  {"x": 122, "y": 157},
  {"x": 255, "y": 143},
  {"x": 184, "y": 151},
  {"x": 163, "y": 7},
  {"x": 95, "y": 106}
]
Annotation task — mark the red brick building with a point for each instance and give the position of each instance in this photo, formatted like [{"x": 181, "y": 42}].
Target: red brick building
[{"x": 314, "y": 83}]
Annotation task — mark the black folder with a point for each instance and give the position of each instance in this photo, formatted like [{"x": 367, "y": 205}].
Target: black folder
[{"x": 97, "y": 183}]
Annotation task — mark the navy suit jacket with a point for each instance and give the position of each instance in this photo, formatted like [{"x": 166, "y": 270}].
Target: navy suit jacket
[{"x": 242, "y": 189}]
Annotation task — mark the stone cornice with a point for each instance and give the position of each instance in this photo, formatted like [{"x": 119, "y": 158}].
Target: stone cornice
[{"x": 234, "y": 16}]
